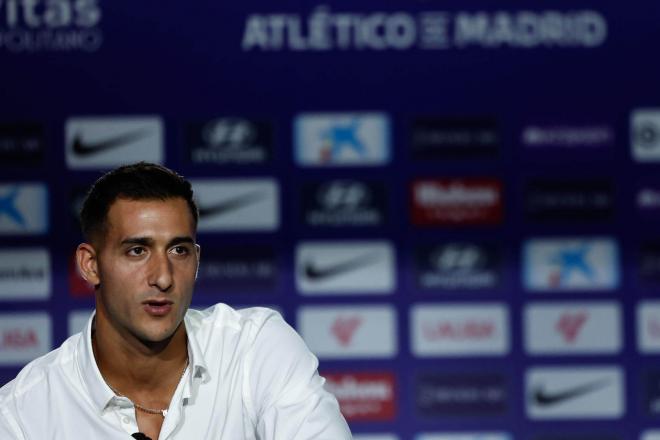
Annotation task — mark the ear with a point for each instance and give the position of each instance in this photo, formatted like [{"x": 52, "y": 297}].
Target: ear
[{"x": 88, "y": 263}]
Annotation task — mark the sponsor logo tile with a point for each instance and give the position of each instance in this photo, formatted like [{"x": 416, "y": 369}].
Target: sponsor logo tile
[
  {"x": 456, "y": 201},
  {"x": 575, "y": 392},
  {"x": 237, "y": 204},
  {"x": 436, "y": 138},
  {"x": 651, "y": 393},
  {"x": 560, "y": 137},
  {"x": 364, "y": 396},
  {"x": 567, "y": 264},
  {"x": 344, "y": 203},
  {"x": 22, "y": 144},
  {"x": 23, "y": 337},
  {"x": 109, "y": 141},
  {"x": 246, "y": 268},
  {"x": 342, "y": 139},
  {"x": 647, "y": 200},
  {"x": 25, "y": 274},
  {"x": 457, "y": 266},
  {"x": 571, "y": 200},
  {"x": 345, "y": 268},
  {"x": 349, "y": 331},
  {"x": 649, "y": 264},
  {"x": 460, "y": 330},
  {"x": 645, "y": 135},
  {"x": 650, "y": 434},
  {"x": 648, "y": 327},
  {"x": 77, "y": 320},
  {"x": 23, "y": 209},
  {"x": 461, "y": 394},
  {"x": 573, "y": 328},
  {"x": 229, "y": 141}
]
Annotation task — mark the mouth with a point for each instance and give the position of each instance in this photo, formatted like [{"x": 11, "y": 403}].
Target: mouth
[{"x": 157, "y": 307}]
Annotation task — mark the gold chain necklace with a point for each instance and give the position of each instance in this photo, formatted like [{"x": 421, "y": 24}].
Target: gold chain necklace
[{"x": 162, "y": 412}]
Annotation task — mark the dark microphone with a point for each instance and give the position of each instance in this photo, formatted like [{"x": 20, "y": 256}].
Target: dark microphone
[{"x": 140, "y": 436}]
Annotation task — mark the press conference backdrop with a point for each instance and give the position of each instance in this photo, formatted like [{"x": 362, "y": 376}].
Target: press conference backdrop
[{"x": 455, "y": 203}]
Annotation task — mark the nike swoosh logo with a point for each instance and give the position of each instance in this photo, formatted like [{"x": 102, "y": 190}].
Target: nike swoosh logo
[
  {"x": 544, "y": 398},
  {"x": 83, "y": 149},
  {"x": 315, "y": 273},
  {"x": 231, "y": 204}
]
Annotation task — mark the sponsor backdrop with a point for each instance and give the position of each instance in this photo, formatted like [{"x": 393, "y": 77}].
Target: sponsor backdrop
[{"x": 455, "y": 203}]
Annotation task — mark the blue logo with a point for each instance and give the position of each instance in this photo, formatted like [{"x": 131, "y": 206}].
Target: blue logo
[
  {"x": 342, "y": 139},
  {"x": 569, "y": 260},
  {"x": 23, "y": 209},
  {"x": 571, "y": 264},
  {"x": 8, "y": 207},
  {"x": 340, "y": 136}
]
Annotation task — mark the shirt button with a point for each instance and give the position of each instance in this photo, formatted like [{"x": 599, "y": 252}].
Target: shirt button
[{"x": 126, "y": 420}]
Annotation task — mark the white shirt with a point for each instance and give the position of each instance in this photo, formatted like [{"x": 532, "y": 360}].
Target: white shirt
[{"x": 250, "y": 377}]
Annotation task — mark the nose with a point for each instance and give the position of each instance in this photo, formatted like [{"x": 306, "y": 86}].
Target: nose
[{"x": 160, "y": 273}]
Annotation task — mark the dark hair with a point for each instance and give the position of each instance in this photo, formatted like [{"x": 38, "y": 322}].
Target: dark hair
[{"x": 139, "y": 181}]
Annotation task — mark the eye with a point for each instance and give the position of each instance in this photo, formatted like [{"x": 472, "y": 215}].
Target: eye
[
  {"x": 136, "y": 251},
  {"x": 180, "y": 250}
]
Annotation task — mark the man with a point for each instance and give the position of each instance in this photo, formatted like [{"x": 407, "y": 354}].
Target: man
[{"x": 145, "y": 363}]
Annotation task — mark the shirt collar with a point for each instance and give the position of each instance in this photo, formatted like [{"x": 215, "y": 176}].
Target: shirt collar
[
  {"x": 196, "y": 359},
  {"x": 98, "y": 389}
]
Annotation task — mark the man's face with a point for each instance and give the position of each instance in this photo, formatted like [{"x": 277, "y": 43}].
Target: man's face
[{"x": 147, "y": 264}]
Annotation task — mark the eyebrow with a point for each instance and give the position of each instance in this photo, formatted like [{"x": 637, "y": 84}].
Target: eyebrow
[{"x": 148, "y": 241}]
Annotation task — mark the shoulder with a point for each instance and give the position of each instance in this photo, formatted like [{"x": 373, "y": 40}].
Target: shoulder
[
  {"x": 36, "y": 379},
  {"x": 225, "y": 320}
]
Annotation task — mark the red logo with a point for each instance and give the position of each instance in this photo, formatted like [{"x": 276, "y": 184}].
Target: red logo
[
  {"x": 364, "y": 396},
  {"x": 453, "y": 202},
  {"x": 344, "y": 329},
  {"x": 19, "y": 339},
  {"x": 468, "y": 330},
  {"x": 77, "y": 284},
  {"x": 570, "y": 324}
]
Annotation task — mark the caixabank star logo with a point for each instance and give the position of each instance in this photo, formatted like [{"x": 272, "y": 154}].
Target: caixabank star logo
[
  {"x": 342, "y": 139},
  {"x": 24, "y": 208}
]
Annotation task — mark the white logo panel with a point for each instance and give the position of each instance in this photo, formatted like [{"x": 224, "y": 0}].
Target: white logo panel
[
  {"x": 107, "y": 142},
  {"x": 575, "y": 393},
  {"x": 23, "y": 209},
  {"x": 573, "y": 328},
  {"x": 651, "y": 434},
  {"x": 554, "y": 265},
  {"x": 24, "y": 274},
  {"x": 460, "y": 330},
  {"x": 345, "y": 267},
  {"x": 78, "y": 320},
  {"x": 237, "y": 204},
  {"x": 345, "y": 332},
  {"x": 648, "y": 327},
  {"x": 23, "y": 337},
  {"x": 342, "y": 139}
]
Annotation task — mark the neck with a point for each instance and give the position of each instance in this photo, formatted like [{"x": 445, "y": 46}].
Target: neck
[{"x": 135, "y": 367}]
